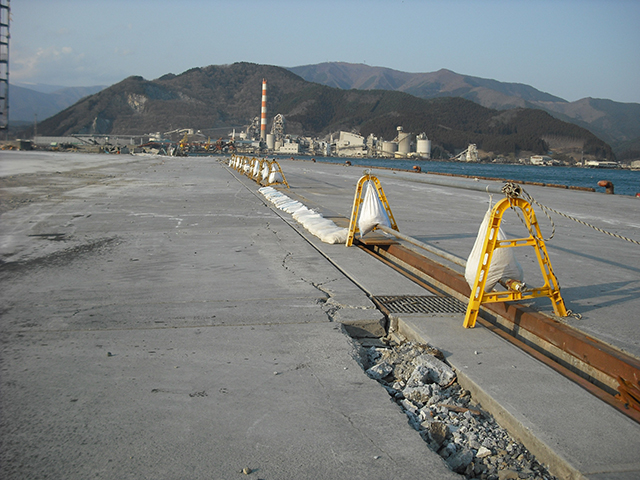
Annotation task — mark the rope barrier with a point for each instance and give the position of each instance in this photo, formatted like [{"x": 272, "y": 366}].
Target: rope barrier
[{"x": 513, "y": 190}]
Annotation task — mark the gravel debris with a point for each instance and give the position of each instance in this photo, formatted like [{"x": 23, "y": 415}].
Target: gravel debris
[{"x": 470, "y": 441}]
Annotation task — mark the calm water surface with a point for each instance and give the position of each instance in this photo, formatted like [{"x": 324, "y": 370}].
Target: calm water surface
[{"x": 626, "y": 182}]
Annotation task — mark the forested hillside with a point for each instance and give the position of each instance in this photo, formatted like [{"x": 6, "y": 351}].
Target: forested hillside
[
  {"x": 230, "y": 95},
  {"x": 616, "y": 123}
]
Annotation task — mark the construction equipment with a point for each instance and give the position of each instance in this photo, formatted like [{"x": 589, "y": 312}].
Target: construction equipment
[{"x": 223, "y": 147}]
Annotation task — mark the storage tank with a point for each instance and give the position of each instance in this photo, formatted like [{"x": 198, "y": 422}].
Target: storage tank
[
  {"x": 404, "y": 143},
  {"x": 271, "y": 141},
  {"x": 423, "y": 146},
  {"x": 389, "y": 147}
]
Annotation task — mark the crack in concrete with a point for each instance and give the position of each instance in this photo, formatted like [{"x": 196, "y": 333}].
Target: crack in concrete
[
  {"x": 330, "y": 304},
  {"x": 328, "y": 307}
]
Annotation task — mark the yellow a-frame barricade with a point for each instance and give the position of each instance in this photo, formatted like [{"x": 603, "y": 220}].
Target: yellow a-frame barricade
[
  {"x": 255, "y": 164},
  {"x": 550, "y": 289},
  {"x": 357, "y": 202},
  {"x": 274, "y": 167}
]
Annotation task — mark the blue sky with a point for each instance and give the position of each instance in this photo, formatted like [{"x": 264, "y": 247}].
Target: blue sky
[{"x": 569, "y": 48}]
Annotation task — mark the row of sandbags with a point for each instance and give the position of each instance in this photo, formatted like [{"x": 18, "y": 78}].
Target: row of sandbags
[{"x": 315, "y": 223}]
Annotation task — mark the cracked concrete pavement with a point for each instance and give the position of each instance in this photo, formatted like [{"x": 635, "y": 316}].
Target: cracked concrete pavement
[{"x": 159, "y": 320}]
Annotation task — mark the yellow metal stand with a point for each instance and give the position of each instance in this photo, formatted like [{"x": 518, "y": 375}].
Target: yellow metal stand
[
  {"x": 252, "y": 168},
  {"x": 239, "y": 163},
  {"x": 258, "y": 177},
  {"x": 275, "y": 167},
  {"x": 550, "y": 289},
  {"x": 357, "y": 201}
]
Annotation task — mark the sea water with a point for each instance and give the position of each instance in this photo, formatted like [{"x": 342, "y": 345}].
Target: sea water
[{"x": 626, "y": 182}]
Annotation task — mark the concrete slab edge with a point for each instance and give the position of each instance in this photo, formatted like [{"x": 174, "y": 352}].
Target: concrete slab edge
[{"x": 556, "y": 464}]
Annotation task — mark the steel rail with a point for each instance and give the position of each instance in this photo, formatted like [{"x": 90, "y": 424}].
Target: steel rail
[
  {"x": 592, "y": 364},
  {"x": 424, "y": 246}
]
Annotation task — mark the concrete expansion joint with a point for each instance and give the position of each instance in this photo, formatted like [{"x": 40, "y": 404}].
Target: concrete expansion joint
[{"x": 333, "y": 301}]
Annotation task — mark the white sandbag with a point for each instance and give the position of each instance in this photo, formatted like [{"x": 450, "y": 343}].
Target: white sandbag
[
  {"x": 256, "y": 169},
  {"x": 302, "y": 214},
  {"x": 503, "y": 262},
  {"x": 372, "y": 212},
  {"x": 283, "y": 202},
  {"x": 275, "y": 176},
  {"x": 325, "y": 229},
  {"x": 265, "y": 172},
  {"x": 267, "y": 192}
]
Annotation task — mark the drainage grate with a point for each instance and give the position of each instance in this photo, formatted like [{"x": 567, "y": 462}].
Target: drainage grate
[{"x": 420, "y": 304}]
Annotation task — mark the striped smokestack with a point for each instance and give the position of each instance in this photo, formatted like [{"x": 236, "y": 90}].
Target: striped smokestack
[{"x": 263, "y": 112}]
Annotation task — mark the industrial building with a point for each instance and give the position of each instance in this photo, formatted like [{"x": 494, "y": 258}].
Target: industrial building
[
  {"x": 402, "y": 146},
  {"x": 350, "y": 145},
  {"x": 255, "y": 139}
]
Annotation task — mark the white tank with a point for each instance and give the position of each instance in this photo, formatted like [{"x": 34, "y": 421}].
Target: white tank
[
  {"x": 404, "y": 142},
  {"x": 389, "y": 147},
  {"x": 271, "y": 141},
  {"x": 423, "y": 147}
]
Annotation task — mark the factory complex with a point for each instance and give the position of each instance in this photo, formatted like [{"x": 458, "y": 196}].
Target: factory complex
[{"x": 251, "y": 139}]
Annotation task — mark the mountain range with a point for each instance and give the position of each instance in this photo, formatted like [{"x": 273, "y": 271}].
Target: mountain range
[
  {"x": 228, "y": 96},
  {"x": 28, "y": 103},
  {"x": 616, "y": 123}
]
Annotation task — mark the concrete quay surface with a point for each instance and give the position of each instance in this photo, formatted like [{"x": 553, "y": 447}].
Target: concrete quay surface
[{"x": 161, "y": 321}]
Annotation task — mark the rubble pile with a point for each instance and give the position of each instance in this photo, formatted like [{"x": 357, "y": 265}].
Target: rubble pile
[{"x": 467, "y": 438}]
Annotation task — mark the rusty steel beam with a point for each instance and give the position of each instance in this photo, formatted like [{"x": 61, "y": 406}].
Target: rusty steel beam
[{"x": 600, "y": 357}]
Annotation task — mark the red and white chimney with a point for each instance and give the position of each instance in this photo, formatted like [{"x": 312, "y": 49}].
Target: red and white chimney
[{"x": 263, "y": 112}]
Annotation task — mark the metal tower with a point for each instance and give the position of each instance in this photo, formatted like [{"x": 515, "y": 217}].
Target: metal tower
[
  {"x": 278, "y": 127},
  {"x": 4, "y": 68}
]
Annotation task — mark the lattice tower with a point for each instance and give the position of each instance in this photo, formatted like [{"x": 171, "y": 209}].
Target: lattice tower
[{"x": 4, "y": 68}]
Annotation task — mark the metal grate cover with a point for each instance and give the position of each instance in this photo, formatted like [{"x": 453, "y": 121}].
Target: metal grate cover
[{"x": 420, "y": 304}]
